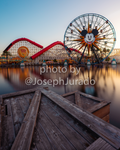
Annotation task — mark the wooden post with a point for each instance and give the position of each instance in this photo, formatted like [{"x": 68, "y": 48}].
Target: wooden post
[
  {"x": 1, "y": 101},
  {"x": 78, "y": 100},
  {"x": 1, "y": 113}
]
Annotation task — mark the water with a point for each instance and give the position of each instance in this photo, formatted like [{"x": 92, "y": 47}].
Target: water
[{"x": 106, "y": 82}]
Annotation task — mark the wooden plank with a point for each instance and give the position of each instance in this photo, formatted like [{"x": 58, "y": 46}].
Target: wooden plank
[
  {"x": 87, "y": 103},
  {"x": 1, "y": 101},
  {"x": 57, "y": 139},
  {"x": 100, "y": 144},
  {"x": 91, "y": 97},
  {"x": 84, "y": 131},
  {"x": 98, "y": 106},
  {"x": 78, "y": 100},
  {"x": 71, "y": 98},
  {"x": 68, "y": 94},
  {"x": 107, "y": 131},
  {"x": 23, "y": 103},
  {"x": 18, "y": 115},
  {"x": 24, "y": 137},
  {"x": 8, "y": 132},
  {"x": 22, "y": 92},
  {"x": 28, "y": 97},
  {"x": 103, "y": 111},
  {"x": 40, "y": 140},
  {"x": 106, "y": 118},
  {"x": 107, "y": 147},
  {"x": 71, "y": 134}
]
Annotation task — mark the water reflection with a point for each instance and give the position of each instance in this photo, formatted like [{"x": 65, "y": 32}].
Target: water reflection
[{"x": 107, "y": 82}]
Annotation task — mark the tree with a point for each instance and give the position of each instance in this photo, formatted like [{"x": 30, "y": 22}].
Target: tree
[
  {"x": 107, "y": 59},
  {"x": 6, "y": 54},
  {"x": 54, "y": 60}
]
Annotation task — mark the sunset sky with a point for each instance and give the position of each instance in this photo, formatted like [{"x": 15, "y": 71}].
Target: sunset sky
[{"x": 46, "y": 21}]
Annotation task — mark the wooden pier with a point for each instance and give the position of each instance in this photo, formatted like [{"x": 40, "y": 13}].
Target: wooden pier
[
  {"x": 40, "y": 119},
  {"x": 95, "y": 105}
]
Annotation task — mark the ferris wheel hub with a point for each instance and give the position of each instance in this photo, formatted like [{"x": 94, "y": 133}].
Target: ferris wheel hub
[{"x": 89, "y": 38}]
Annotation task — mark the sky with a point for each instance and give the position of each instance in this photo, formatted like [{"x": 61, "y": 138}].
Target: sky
[{"x": 45, "y": 21}]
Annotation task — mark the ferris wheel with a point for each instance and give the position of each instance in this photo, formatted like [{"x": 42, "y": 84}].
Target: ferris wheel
[{"x": 89, "y": 36}]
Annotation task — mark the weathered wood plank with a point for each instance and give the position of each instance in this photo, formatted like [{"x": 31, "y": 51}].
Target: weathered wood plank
[
  {"x": 21, "y": 92},
  {"x": 106, "y": 118},
  {"x": 1, "y": 102},
  {"x": 57, "y": 139},
  {"x": 91, "y": 97},
  {"x": 78, "y": 100},
  {"x": 23, "y": 103},
  {"x": 18, "y": 115},
  {"x": 71, "y": 98},
  {"x": 99, "y": 126},
  {"x": 29, "y": 97},
  {"x": 107, "y": 147},
  {"x": 84, "y": 131},
  {"x": 68, "y": 94},
  {"x": 100, "y": 144},
  {"x": 98, "y": 106},
  {"x": 74, "y": 137},
  {"x": 40, "y": 140},
  {"x": 8, "y": 132},
  {"x": 24, "y": 137},
  {"x": 87, "y": 103},
  {"x": 103, "y": 111}
]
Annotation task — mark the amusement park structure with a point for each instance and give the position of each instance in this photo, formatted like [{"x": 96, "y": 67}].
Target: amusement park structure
[
  {"x": 88, "y": 37},
  {"x": 91, "y": 34},
  {"x": 26, "y": 49}
]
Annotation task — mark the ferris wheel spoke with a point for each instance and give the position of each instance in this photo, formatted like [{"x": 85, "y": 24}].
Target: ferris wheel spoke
[
  {"x": 101, "y": 26},
  {"x": 106, "y": 31},
  {"x": 82, "y": 46},
  {"x": 108, "y": 43},
  {"x": 81, "y": 22},
  {"x": 77, "y": 40},
  {"x": 72, "y": 37},
  {"x": 92, "y": 21},
  {"x": 88, "y": 24},
  {"x": 72, "y": 34},
  {"x": 100, "y": 39},
  {"x": 76, "y": 47},
  {"x": 84, "y": 22},
  {"x": 72, "y": 30},
  {"x": 73, "y": 45},
  {"x": 105, "y": 45},
  {"x": 106, "y": 35},
  {"x": 95, "y": 22},
  {"x": 105, "y": 27},
  {"x": 96, "y": 46},
  {"x": 99, "y": 23},
  {"x": 77, "y": 24},
  {"x": 78, "y": 30}
]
